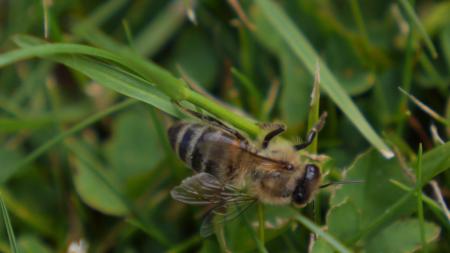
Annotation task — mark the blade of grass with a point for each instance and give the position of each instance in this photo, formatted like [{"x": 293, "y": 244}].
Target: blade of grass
[
  {"x": 426, "y": 109},
  {"x": 412, "y": 15},
  {"x": 306, "y": 54},
  {"x": 261, "y": 221},
  {"x": 175, "y": 88},
  {"x": 55, "y": 140},
  {"x": 252, "y": 92},
  {"x": 406, "y": 77},
  {"x": 420, "y": 199},
  {"x": 219, "y": 231},
  {"x": 441, "y": 214},
  {"x": 159, "y": 30},
  {"x": 338, "y": 246},
  {"x": 313, "y": 118},
  {"x": 259, "y": 244},
  {"x": 434, "y": 162},
  {"x": 313, "y": 115},
  {"x": 9, "y": 228},
  {"x": 101, "y": 14}
]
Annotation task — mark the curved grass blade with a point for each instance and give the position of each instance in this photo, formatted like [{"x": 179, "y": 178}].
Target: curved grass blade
[
  {"x": 9, "y": 229},
  {"x": 338, "y": 246},
  {"x": 163, "y": 80},
  {"x": 420, "y": 199},
  {"x": 300, "y": 46},
  {"x": 412, "y": 15},
  {"x": 57, "y": 139}
]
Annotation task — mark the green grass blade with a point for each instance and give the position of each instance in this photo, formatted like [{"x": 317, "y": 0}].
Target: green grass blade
[
  {"x": 164, "y": 81},
  {"x": 306, "y": 54},
  {"x": 313, "y": 115},
  {"x": 161, "y": 28},
  {"x": 9, "y": 228},
  {"x": 412, "y": 15},
  {"x": 440, "y": 213},
  {"x": 57, "y": 139},
  {"x": 261, "y": 223},
  {"x": 420, "y": 199},
  {"x": 338, "y": 246},
  {"x": 259, "y": 243}
]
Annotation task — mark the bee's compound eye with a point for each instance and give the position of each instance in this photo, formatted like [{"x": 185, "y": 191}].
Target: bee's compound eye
[
  {"x": 312, "y": 172},
  {"x": 306, "y": 185}
]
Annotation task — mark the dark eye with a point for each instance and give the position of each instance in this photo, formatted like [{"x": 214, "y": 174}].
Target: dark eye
[
  {"x": 312, "y": 172},
  {"x": 306, "y": 185}
]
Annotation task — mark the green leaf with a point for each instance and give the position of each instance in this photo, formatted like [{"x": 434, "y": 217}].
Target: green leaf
[
  {"x": 337, "y": 245},
  {"x": 376, "y": 193},
  {"x": 92, "y": 187},
  {"x": 32, "y": 244},
  {"x": 402, "y": 236},
  {"x": 304, "y": 51},
  {"x": 435, "y": 162},
  {"x": 134, "y": 147},
  {"x": 344, "y": 221},
  {"x": 321, "y": 246}
]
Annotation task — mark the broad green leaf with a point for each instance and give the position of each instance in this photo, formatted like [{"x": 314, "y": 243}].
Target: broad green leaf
[
  {"x": 344, "y": 220},
  {"x": 93, "y": 189},
  {"x": 401, "y": 236},
  {"x": 304, "y": 51},
  {"x": 435, "y": 162},
  {"x": 32, "y": 244},
  {"x": 134, "y": 147},
  {"x": 373, "y": 196},
  {"x": 333, "y": 242},
  {"x": 321, "y": 246},
  {"x": 377, "y": 199}
]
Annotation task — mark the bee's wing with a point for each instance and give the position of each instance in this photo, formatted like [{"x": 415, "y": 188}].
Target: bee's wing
[
  {"x": 204, "y": 189},
  {"x": 223, "y": 213}
]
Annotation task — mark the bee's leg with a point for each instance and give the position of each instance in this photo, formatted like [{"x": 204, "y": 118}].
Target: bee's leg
[
  {"x": 312, "y": 133},
  {"x": 211, "y": 120},
  {"x": 277, "y": 129}
]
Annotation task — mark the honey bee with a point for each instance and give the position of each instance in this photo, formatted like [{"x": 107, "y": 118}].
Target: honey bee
[{"x": 232, "y": 170}]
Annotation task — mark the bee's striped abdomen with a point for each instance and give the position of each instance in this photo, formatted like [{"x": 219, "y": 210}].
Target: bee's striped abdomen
[
  {"x": 183, "y": 137},
  {"x": 204, "y": 148}
]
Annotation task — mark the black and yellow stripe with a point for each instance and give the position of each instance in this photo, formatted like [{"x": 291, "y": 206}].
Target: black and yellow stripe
[{"x": 202, "y": 147}]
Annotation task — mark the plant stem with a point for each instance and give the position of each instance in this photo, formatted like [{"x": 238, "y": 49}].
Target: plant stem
[
  {"x": 261, "y": 220},
  {"x": 240, "y": 122},
  {"x": 419, "y": 199}
]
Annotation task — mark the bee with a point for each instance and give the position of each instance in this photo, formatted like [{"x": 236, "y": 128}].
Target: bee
[{"x": 232, "y": 170}]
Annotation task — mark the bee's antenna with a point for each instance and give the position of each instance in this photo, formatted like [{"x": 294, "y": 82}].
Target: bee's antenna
[{"x": 356, "y": 181}]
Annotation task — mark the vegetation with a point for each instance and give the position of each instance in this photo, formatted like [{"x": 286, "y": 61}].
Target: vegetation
[{"x": 87, "y": 91}]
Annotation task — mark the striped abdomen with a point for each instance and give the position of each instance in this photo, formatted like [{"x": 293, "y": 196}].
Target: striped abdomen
[{"x": 205, "y": 148}]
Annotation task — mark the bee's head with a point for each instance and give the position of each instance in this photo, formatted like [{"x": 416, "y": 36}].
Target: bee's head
[{"x": 306, "y": 185}]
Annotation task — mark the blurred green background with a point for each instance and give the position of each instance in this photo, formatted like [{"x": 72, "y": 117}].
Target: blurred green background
[{"x": 80, "y": 160}]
